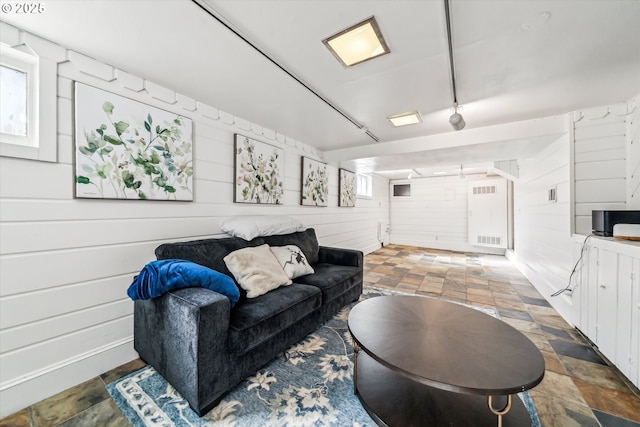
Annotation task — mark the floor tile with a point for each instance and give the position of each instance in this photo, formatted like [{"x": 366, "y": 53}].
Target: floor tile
[
  {"x": 608, "y": 420},
  {"x": 535, "y": 301},
  {"x": 123, "y": 370},
  {"x": 19, "y": 419},
  {"x": 559, "y": 386},
  {"x": 515, "y": 314},
  {"x": 577, "y": 351},
  {"x": 555, "y": 332},
  {"x": 593, "y": 373},
  {"x": 554, "y": 412},
  {"x": 607, "y": 400},
  {"x": 104, "y": 414},
  {"x": 62, "y": 406}
]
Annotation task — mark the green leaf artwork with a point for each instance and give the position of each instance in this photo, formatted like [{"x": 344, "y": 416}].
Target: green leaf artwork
[
  {"x": 129, "y": 150},
  {"x": 258, "y": 172},
  {"x": 315, "y": 183},
  {"x": 347, "y": 187}
]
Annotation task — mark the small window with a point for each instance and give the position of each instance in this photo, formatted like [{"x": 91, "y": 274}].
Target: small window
[
  {"x": 364, "y": 186},
  {"x": 401, "y": 190},
  {"x": 17, "y": 98},
  {"x": 28, "y": 105}
]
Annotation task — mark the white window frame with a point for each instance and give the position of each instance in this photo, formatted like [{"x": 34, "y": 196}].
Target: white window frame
[
  {"x": 368, "y": 193},
  {"x": 27, "y": 64},
  {"x": 41, "y": 140}
]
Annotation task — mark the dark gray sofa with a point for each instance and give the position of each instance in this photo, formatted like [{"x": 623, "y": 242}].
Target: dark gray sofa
[{"x": 203, "y": 348}]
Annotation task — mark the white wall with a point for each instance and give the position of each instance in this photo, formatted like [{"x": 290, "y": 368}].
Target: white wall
[
  {"x": 632, "y": 136},
  {"x": 599, "y": 162},
  {"x": 435, "y": 215},
  {"x": 66, "y": 263},
  {"x": 542, "y": 229}
]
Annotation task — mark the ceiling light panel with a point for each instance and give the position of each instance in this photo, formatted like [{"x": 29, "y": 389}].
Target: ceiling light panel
[
  {"x": 404, "y": 119},
  {"x": 358, "y": 43}
]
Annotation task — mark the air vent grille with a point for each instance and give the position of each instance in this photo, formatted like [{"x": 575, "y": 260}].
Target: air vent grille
[
  {"x": 489, "y": 240},
  {"x": 487, "y": 189}
]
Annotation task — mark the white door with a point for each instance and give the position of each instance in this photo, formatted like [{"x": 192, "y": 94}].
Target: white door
[{"x": 488, "y": 213}]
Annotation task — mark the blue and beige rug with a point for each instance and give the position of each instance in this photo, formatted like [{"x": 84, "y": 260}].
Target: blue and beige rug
[{"x": 310, "y": 384}]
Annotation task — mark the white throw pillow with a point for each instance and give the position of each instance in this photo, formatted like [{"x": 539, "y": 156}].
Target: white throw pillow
[
  {"x": 292, "y": 260},
  {"x": 256, "y": 270},
  {"x": 249, "y": 227}
]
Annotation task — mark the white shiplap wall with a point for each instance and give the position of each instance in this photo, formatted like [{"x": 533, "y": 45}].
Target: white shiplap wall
[
  {"x": 599, "y": 162},
  {"x": 543, "y": 245},
  {"x": 65, "y": 263},
  {"x": 633, "y": 154},
  {"x": 435, "y": 215}
]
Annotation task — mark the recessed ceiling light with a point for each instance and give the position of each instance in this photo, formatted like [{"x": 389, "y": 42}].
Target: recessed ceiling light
[
  {"x": 358, "y": 43},
  {"x": 440, "y": 173},
  {"x": 408, "y": 118}
]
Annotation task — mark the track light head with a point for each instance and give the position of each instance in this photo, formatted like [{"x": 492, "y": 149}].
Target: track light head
[{"x": 456, "y": 119}]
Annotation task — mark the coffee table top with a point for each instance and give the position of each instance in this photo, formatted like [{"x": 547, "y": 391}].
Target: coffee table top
[{"x": 446, "y": 345}]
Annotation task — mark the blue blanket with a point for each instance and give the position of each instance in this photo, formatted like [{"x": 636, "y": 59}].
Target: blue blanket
[{"x": 159, "y": 277}]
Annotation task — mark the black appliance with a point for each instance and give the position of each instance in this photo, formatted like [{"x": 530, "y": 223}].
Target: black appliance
[{"x": 602, "y": 222}]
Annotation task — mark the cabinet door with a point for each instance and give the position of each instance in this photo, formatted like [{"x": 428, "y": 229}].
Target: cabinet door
[
  {"x": 589, "y": 312},
  {"x": 624, "y": 327},
  {"x": 607, "y": 303},
  {"x": 635, "y": 325}
]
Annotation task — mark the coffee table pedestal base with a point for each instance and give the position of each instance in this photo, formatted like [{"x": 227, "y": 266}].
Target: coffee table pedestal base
[{"x": 394, "y": 400}]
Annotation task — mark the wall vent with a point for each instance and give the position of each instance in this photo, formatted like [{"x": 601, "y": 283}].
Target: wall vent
[
  {"x": 489, "y": 240},
  {"x": 487, "y": 189}
]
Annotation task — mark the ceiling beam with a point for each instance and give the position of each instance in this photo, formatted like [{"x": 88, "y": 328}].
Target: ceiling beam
[{"x": 515, "y": 131}]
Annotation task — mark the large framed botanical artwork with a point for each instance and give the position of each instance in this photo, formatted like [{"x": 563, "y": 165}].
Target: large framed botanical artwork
[
  {"x": 347, "y": 188},
  {"x": 315, "y": 183},
  {"x": 125, "y": 149},
  {"x": 258, "y": 172}
]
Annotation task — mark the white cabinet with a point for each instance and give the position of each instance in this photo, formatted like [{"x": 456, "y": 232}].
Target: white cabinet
[{"x": 609, "y": 301}]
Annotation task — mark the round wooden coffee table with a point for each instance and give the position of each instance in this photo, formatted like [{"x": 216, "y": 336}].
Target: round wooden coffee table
[{"x": 431, "y": 362}]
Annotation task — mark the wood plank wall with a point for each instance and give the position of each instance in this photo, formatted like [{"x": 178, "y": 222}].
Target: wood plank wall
[
  {"x": 66, "y": 263},
  {"x": 542, "y": 229},
  {"x": 600, "y": 167},
  {"x": 435, "y": 215},
  {"x": 633, "y": 154}
]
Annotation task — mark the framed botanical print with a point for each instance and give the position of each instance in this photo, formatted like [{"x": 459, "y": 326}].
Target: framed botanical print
[
  {"x": 125, "y": 149},
  {"x": 347, "y": 188},
  {"x": 314, "y": 184},
  {"x": 258, "y": 172}
]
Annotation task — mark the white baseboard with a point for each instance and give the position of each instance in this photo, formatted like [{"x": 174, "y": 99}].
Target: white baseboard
[
  {"x": 450, "y": 246},
  {"x": 20, "y": 393},
  {"x": 563, "y": 303}
]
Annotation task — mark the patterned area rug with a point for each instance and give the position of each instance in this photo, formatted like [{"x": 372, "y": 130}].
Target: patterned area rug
[{"x": 310, "y": 384}]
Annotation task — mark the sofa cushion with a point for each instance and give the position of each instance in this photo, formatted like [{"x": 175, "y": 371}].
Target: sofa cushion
[
  {"x": 207, "y": 252},
  {"x": 250, "y": 227},
  {"x": 292, "y": 260},
  {"x": 305, "y": 240},
  {"x": 333, "y": 280},
  {"x": 254, "y": 321},
  {"x": 256, "y": 270}
]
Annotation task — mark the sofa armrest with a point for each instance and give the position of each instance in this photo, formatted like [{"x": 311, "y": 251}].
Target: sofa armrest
[
  {"x": 183, "y": 335},
  {"x": 339, "y": 256}
]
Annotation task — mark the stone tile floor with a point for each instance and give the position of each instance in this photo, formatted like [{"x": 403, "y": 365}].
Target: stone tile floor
[{"x": 579, "y": 389}]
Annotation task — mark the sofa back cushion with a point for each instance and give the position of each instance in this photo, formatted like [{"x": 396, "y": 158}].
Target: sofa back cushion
[
  {"x": 305, "y": 240},
  {"x": 207, "y": 252}
]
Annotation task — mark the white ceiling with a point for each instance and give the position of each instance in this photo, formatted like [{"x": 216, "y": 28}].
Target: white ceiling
[{"x": 515, "y": 61}]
